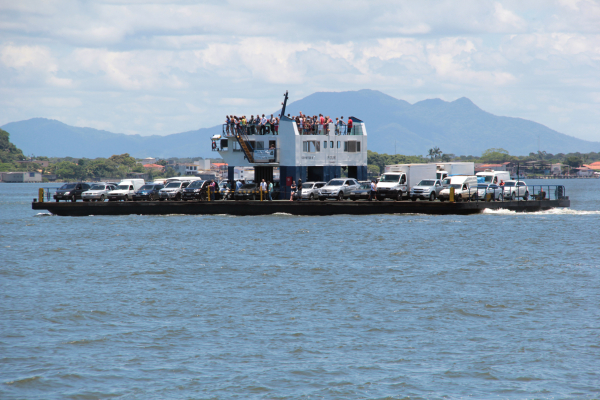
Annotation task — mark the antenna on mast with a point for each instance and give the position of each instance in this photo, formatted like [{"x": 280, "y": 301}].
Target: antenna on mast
[{"x": 285, "y": 99}]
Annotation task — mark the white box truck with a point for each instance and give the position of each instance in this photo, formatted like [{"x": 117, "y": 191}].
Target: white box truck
[
  {"x": 397, "y": 179},
  {"x": 447, "y": 169},
  {"x": 125, "y": 189}
]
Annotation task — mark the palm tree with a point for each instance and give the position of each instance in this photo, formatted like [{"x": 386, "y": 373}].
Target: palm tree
[{"x": 431, "y": 154}]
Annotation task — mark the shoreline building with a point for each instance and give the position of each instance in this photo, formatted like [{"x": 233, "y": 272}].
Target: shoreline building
[{"x": 322, "y": 154}]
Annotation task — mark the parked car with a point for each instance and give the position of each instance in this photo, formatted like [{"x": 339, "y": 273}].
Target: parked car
[
  {"x": 98, "y": 191},
  {"x": 339, "y": 188},
  {"x": 173, "y": 190},
  {"x": 148, "y": 192},
  {"x": 310, "y": 190},
  {"x": 71, "y": 191},
  {"x": 513, "y": 189},
  {"x": 248, "y": 191},
  {"x": 363, "y": 191},
  {"x": 427, "y": 189},
  {"x": 484, "y": 189},
  {"x": 198, "y": 190}
]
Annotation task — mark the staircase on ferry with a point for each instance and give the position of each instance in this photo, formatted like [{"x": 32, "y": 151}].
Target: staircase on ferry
[{"x": 242, "y": 139}]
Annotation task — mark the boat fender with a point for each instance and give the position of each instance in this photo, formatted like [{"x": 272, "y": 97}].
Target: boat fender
[{"x": 214, "y": 145}]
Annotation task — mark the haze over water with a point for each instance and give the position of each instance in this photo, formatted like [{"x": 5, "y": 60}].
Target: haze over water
[{"x": 497, "y": 305}]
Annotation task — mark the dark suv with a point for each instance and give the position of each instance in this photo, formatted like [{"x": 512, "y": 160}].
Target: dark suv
[
  {"x": 71, "y": 191},
  {"x": 198, "y": 190},
  {"x": 148, "y": 192}
]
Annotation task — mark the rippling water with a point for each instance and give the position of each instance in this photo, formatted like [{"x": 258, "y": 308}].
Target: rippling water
[{"x": 497, "y": 305}]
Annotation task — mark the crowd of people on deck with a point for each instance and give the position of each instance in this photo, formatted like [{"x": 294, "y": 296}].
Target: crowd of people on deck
[{"x": 307, "y": 125}]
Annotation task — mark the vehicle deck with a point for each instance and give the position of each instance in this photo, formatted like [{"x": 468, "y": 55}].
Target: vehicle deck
[{"x": 250, "y": 207}]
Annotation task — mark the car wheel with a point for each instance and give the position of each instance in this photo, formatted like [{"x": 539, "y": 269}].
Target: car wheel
[
  {"x": 513, "y": 196},
  {"x": 526, "y": 197},
  {"x": 432, "y": 197},
  {"x": 312, "y": 196},
  {"x": 340, "y": 196},
  {"x": 413, "y": 198},
  {"x": 102, "y": 198},
  {"x": 73, "y": 199},
  {"x": 399, "y": 196},
  {"x": 58, "y": 201}
]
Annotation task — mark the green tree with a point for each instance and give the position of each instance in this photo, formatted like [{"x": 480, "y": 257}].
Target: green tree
[
  {"x": 496, "y": 155},
  {"x": 574, "y": 162},
  {"x": 68, "y": 170}
]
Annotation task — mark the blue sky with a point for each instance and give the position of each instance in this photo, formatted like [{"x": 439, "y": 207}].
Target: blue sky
[{"x": 157, "y": 67}]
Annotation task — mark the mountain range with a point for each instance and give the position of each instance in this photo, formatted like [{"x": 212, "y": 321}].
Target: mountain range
[{"x": 458, "y": 127}]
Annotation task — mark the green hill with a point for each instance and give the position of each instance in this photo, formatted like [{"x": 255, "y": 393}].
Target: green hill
[{"x": 9, "y": 153}]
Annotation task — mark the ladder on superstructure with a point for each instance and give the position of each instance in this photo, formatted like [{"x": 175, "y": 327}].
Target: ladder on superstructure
[{"x": 242, "y": 139}]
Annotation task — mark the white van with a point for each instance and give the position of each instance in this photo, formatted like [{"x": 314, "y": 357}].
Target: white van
[
  {"x": 464, "y": 186},
  {"x": 125, "y": 189},
  {"x": 496, "y": 177}
]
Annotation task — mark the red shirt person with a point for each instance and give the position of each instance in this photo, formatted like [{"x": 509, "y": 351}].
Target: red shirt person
[{"x": 349, "y": 126}]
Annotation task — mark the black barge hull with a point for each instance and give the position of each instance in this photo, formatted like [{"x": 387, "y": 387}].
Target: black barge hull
[{"x": 80, "y": 209}]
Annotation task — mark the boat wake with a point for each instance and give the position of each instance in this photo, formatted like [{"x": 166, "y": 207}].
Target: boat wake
[{"x": 553, "y": 211}]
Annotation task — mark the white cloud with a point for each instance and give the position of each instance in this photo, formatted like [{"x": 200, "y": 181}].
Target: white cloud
[{"x": 160, "y": 67}]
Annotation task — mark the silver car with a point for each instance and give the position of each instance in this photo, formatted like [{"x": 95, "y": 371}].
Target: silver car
[
  {"x": 173, "y": 190},
  {"x": 338, "y": 188},
  {"x": 483, "y": 189},
  {"x": 98, "y": 191},
  {"x": 426, "y": 189},
  {"x": 514, "y": 189},
  {"x": 310, "y": 190}
]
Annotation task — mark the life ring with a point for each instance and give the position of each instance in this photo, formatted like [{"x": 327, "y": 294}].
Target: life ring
[{"x": 214, "y": 145}]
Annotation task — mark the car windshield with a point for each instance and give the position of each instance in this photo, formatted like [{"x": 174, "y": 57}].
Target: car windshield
[
  {"x": 456, "y": 186},
  {"x": 426, "y": 182},
  {"x": 97, "y": 187},
  {"x": 123, "y": 187},
  {"x": 68, "y": 186},
  {"x": 390, "y": 178},
  {"x": 335, "y": 182},
  {"x": 365, "y": 186},
  {"x": 147, "y": 187},
  {"x": 509, "y": 184},
  {"x": 173, "y": 185},
  {"x": 307, "y": 185},
  {"x": 196, "y": 185}
]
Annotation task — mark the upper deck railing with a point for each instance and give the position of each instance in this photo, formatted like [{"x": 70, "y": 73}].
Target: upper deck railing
[{"x": 304, "y": 129}]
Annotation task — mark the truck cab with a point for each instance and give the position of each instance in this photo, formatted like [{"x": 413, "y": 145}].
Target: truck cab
[{"x": 392, "y": 185}]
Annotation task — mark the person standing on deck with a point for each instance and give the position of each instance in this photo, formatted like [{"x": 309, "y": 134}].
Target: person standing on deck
[
  {"x": 270, "y": 189},
  {"x": 299, "y": 189},
  {"x": 349, "y": 127}
]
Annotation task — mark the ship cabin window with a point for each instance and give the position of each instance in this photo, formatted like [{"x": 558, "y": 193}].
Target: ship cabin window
[
  {"x": 338, "y": 146},
  {"x": 331, "y": 144},
  {"x": 311, "y": 146},
  {"x": 352, "y": 146},
  {"x": 325, "y": 144},
  {"x": 224, "y": 144},
  {"x": 272, "y": 144}
]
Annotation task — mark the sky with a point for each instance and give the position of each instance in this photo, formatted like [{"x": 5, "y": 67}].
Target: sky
[{"x": 161, "y": 67}]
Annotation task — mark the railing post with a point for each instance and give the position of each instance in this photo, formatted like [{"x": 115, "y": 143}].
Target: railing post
[{"x": 41, "y": 195}]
